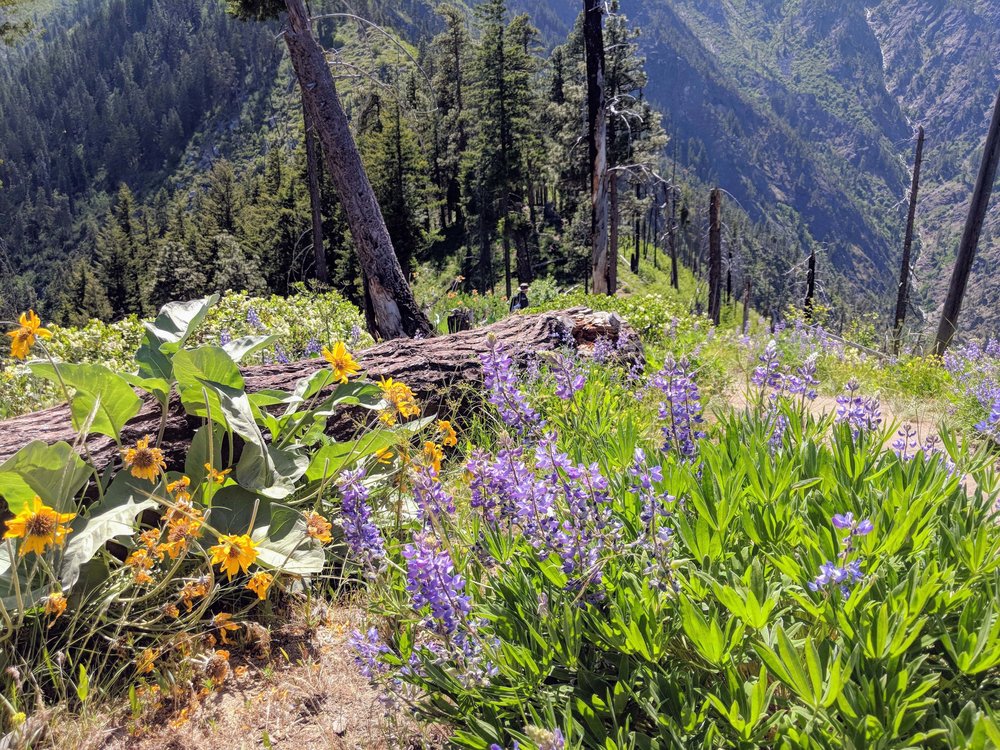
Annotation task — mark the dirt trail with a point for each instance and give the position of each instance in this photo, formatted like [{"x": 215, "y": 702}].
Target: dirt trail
[{"x": 308, "y": 696}]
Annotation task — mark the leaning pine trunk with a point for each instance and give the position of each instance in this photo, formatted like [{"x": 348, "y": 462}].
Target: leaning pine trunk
[
  {"x": 396, "y": 311},
  {"x": 593, "y": 40},
  {"x": 315, "y": 198}
]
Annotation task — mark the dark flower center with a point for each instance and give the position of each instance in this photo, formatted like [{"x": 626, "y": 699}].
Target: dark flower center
[
  {"x": 40, "y": 524},
  {"x": 144, "y": 458}
]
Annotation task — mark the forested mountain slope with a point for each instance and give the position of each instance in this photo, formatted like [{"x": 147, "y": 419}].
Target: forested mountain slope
[
  {"x": 942, "y": 65},
  {"x": 804, "y": 110}
]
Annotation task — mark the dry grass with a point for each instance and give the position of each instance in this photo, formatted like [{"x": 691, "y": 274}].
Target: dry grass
[{"x": 306, "y": 695}]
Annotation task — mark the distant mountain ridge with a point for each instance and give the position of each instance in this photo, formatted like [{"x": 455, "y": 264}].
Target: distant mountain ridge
[{"x": 804, "y": 110}]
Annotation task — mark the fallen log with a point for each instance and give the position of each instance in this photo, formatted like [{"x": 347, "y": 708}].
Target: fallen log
[{"x": 431, "y": 367}]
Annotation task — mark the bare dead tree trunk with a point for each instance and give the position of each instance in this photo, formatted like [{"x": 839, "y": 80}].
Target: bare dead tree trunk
[
  {"x": 807, "y": 307},
  {"x": 970, "y": 237},
  {"x": 597, "y": 132},
  {"x": 903, "y": 297},
  {"x": 315, "y": 197},
  {"x": 746, "y": 305},
  {"x": 615, "y": 228},
  {"x": 396, "y": 311},
  {"x": 672, "y": 238},
  {"x": 714, "y": 257},
  {"x": 636, "y": 227}
]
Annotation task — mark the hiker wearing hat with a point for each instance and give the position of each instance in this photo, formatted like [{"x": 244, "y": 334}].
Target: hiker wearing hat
[{"x": 520, "y": 300}]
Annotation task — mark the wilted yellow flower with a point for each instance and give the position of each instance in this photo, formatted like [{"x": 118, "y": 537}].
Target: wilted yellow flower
[
  {"x": 317, "y": 527},
  {"x": 214, "y": 475},
  {"x": 259, "y": 583},
  {"x": 171, "y": 610},
  {"x": 342, "y": 363},
  {"x": 433, "y": 455},
  {"x": 217, "y": 668},
  {"x": 55, "y": 604},
  {"x": 449, "y": 437},
  {"x": 224, "y": 624},
  {"x": 193, "y": 590},
  {"x": 234, "y": 551},
  {"x": 146, "y": 661},
  {"x": 145, "y": 462},
  {"x": 23, "y": 338},
  {"x": 180, "y": 490},
  {"x": 39, "y": 526},
  {"x": 183, "y": 521}
]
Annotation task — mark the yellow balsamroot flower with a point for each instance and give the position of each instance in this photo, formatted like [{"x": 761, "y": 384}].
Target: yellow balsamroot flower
[
  {"x": 214, "y": 475},
  {"x": 317, "y": 527},
  {"x": 400, "y": 398},
  {"x": 433, "y": 455},
  {"x": 341, "y": 362},
  {"x": 145, "y": 462},
  {"x": 55, "y": 605},
  {"x": 259, "y": 583},
  {"x": 234, "y": 551},
  {"x": 39, "y": 526},
  {"x": 449, "y": 438},
  {"x": 23, "y": 338}
]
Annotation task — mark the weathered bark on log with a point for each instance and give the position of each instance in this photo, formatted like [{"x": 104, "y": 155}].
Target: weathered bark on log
[{"x": 429, "y": 366}]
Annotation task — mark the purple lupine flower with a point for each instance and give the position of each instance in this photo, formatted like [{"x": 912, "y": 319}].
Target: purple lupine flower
[
  {"x": 777, "y": 439},
  {"x": 905, "y": 444},
  {"x": 654, "y": 504},
  {"x": 532, "y": 371},
  {"x": 843, "y": 520},
  {"x": 431, "y": 499},
  {"x": 768, "y": 373},
  {"x": 862, "y": 414},
  {"x": 501, "y": 383},
  {"x": 362, "y": 535},
  {"x": 681, "y": 410},
  {"x": 660, "y": 572},
  {"x": 545, "y": 739},
  {"x": 569, "y": 379},
  {"x": 354, "y": 337},
  {"x": 991, "y": 425},
  {"x": 224, "y": 338},
  {"x": 604, "y": 350},
  {"x": 433, "y": 583},
  {"x": 367, "y": 648},
  {"x": 254, "y": 319},
  {"x": 279, "y": 354},
  {"x": 313, "y": 348}
]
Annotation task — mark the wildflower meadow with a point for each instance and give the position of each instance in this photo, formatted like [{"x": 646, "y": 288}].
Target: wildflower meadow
[{"x": 601, "y": 549}]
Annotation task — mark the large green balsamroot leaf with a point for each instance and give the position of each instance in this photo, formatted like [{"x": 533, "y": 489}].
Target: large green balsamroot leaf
[
  {"x": 98, "y": 392},
  {"x": 112, "y": 518},
  {"x": 53, "y": 472},
  {"x": 167, "y": 334}
]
